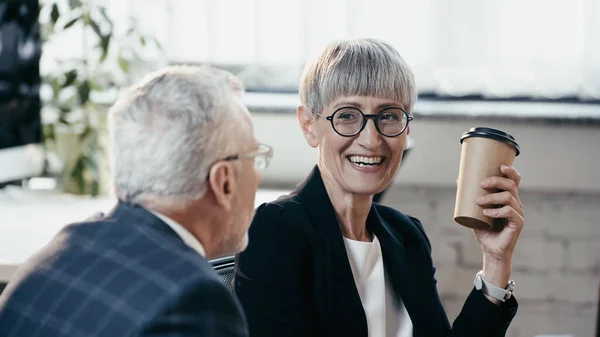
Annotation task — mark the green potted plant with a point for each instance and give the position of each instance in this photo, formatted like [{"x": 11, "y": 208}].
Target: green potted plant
[{"x": 81, "y": 88}]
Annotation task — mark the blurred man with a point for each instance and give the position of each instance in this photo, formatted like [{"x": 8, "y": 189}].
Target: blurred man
[{"x": 184, "y": 164}]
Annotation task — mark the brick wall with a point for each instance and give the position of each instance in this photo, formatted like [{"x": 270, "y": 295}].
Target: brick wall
[{"x": 556, "y": 265}]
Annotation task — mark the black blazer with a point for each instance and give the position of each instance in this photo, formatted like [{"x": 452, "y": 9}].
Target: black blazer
[{"x": 294, "y": 279}]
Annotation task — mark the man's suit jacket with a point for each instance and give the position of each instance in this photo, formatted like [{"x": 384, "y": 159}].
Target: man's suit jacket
[
  {"x": 125, "y": 274},
  {"x": 294, "y": 279}
]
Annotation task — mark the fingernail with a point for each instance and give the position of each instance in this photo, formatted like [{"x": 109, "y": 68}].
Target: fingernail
[
  {"x": 484, "y": 182},
  {"x": 480, "y": 199},
  {"x": 504, "y": 167},
  {"x": 488, "y": 211}
]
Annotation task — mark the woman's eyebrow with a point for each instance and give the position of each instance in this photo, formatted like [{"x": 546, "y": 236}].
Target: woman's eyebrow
[
  {"x": 360, "y": 106},
  {"x": 389, "y": 105},
  {"x": 348, "y": 103}
]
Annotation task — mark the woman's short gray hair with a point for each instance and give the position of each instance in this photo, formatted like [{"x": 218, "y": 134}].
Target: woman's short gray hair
[
  {"x": 361, "y": 67},
  {"x": 166, "y": 130}
]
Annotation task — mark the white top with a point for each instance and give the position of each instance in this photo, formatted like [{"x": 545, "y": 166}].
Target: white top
[
  {"x": 183, "y": 233},
  {"x": 384, "y": 316}
]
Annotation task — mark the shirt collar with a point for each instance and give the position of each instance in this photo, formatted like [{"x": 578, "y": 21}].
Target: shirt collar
[{"x": 182, "y": 232}]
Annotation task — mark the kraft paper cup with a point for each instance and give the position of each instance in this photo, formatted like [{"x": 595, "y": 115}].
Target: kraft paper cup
[{"x": 483, "y": 151}]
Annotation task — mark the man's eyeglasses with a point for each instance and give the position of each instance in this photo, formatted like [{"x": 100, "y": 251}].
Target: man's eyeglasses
[
  {"x": 350, "y": 121},
  {"x": 262, "y": 156}
]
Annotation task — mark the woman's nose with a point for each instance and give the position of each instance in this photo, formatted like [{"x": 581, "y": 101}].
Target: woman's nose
[{"x": 369, "y": 137}]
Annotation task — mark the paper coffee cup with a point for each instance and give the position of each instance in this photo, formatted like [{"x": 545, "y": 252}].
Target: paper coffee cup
[{"x": 484, "y": 150}]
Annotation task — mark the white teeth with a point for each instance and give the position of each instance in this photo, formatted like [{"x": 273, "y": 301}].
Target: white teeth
[{"x": 364, "y": 161}]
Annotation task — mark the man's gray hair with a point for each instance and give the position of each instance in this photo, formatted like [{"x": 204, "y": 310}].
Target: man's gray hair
[
  {"x": 166, "y": 130},
  {"x": 361, "y": 67}
]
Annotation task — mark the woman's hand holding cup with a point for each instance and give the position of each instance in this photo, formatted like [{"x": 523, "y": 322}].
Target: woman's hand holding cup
[{"x": 498, "y": 243}]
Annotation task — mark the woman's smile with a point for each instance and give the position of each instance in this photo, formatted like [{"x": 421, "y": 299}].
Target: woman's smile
[{"x": 366, "y": 163}]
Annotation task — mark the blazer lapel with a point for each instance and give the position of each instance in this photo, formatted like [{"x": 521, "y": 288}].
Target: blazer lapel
[
  {"x": 408, "y": 266},
  {"x": 406, "y": 261},
  {"x": 339, "y": 302}
]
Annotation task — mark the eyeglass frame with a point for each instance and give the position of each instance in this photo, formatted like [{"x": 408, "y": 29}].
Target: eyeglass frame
[
  {"x": 263, "y": 149},
  {"x": 366, "y": 118}
]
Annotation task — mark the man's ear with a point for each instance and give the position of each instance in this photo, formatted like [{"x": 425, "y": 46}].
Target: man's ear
[
  {"x": 223, "y": 184},
  {"x": 307, "y": 125}
]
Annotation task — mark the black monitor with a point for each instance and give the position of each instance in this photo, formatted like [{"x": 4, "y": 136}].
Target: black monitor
[{"x": 20, "y": 121}]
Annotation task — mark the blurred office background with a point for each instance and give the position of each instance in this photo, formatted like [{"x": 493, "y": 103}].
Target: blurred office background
[{"x": 528, "y": 67}]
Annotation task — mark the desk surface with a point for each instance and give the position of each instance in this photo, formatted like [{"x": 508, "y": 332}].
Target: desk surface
[{"x": 30, "y": 219}]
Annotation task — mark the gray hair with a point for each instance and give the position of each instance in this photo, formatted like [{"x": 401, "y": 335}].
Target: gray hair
[
  {"x": 361, "y": 67},
  {"x": 166, "y": 130}
]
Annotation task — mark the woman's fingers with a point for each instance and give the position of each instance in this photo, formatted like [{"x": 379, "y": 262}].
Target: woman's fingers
[
  {"x": 503, "y": 198},
  {"x": 508, "y": 213},
  {"x": 512, "y": 174}
]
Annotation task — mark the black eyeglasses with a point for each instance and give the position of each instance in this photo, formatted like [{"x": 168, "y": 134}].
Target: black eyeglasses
[
  {"x": 261, "y": 157},
  {"x": 350, "y": 121}
]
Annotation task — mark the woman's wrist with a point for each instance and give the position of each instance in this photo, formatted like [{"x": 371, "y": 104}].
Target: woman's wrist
[{"x": 497, "y": 272}]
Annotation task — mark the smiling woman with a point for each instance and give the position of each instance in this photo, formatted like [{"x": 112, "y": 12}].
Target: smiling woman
[{"x": 328, "y": 261}]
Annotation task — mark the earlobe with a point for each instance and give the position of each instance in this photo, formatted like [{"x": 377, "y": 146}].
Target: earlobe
[{"x": 306, "y": 121}]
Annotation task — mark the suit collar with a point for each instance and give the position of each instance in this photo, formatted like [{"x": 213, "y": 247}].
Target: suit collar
[
  {"x": 182, "y": 232},
  {"x": 129, "y": 212}
]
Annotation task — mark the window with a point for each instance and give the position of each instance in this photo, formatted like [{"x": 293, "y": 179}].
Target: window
[{"x": 541, "y": 49}]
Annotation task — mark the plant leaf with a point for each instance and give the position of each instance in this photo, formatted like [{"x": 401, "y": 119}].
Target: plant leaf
[
  {"x": 104, "y": 55},
  {"x": 54, "y": 14},
  {"x": 143, "y": 41},
  {"x": 72, "y": 22},
  {"x": 77, "y": 173},
  {"x": 105, "y": 15},
  {"x": 86, "y": 18},
  {"x": 64, "y": 109},
  {"x": 96, "y": 86},
  {"x": 124, "y": 64},
  {"x": 96, "y": 28},
  {"x": 63, "y": 112},
  {"x": 48, "y": 132},
  {"x": 88, "y": 130},
  {"x": 91, "y": 166},
  {"x": 131, "y": 30},
  {"x": 70, "y": 78},
  {"x": 78, "y": 167},
  {"x": 74, "y": 4},
  {"x": 157, "y": 43},
  {"x": 63, "y": 120},
  {"x": 84, "y": 92},
  {"x": 104, "y": 44},
  {"x": 55, "y": 87}
]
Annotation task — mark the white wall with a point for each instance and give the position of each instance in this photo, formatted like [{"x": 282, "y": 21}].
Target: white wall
[{"x": 554, "y": 157}]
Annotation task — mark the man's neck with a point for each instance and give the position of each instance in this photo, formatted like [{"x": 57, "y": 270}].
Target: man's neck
[{"x": 198, "y": 221}]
